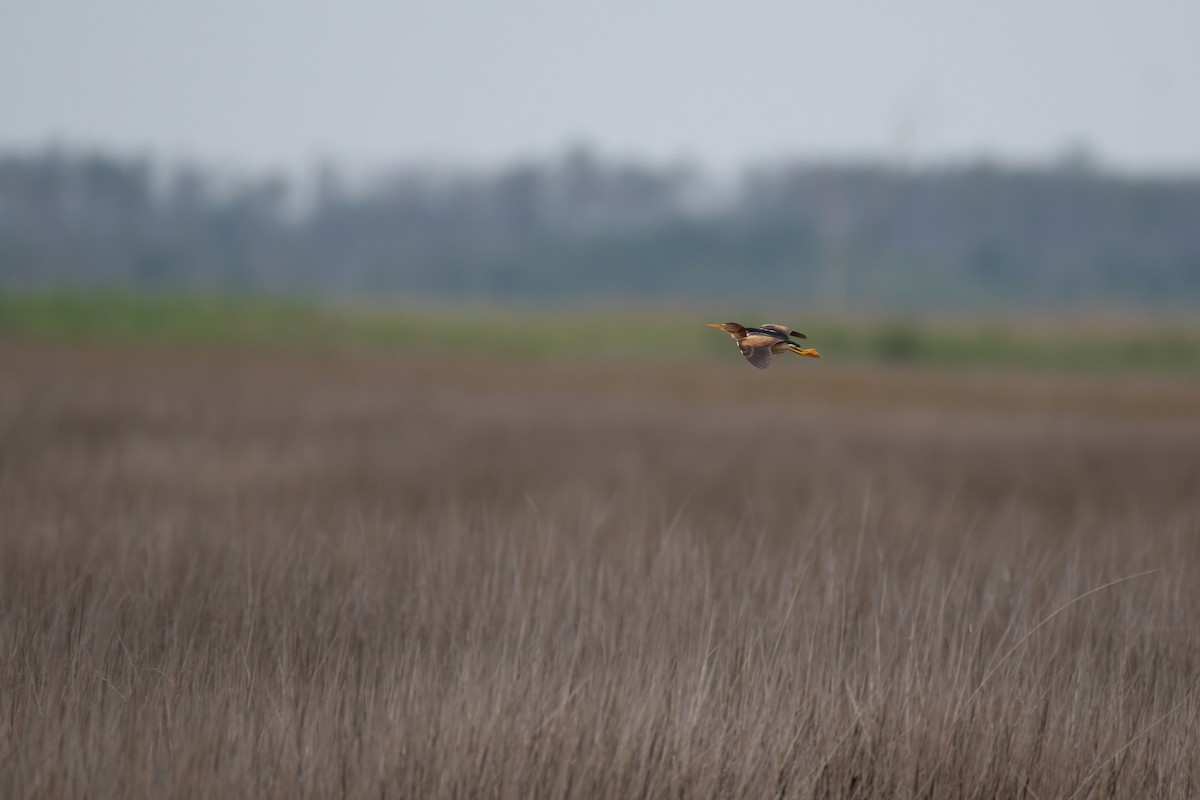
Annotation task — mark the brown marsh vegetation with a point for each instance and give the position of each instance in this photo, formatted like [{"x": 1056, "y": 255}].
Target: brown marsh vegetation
[{"x": 238, "y": 575}]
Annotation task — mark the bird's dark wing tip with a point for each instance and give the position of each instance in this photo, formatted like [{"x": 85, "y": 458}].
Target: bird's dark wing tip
[{"x": 758, "y": 356}]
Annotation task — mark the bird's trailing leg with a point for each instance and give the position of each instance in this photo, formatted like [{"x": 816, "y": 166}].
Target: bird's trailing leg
[{"x": 804, "y": 351}]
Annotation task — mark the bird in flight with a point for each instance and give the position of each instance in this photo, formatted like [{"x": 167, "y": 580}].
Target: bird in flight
[{"x": 759, "y": 344}]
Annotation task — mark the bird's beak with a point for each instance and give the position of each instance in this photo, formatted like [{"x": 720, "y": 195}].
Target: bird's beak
[{"x": 720, "y": 325}]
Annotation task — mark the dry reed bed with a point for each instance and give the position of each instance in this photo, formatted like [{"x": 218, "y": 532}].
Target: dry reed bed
[{"x": 282, "y": 577}]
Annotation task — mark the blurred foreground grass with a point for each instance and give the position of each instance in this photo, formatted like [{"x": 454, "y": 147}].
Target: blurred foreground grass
[{"x": 1093, "y": 344}]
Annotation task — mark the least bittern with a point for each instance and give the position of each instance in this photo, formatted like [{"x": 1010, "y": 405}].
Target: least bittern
[{"x": 759, "y": 344}]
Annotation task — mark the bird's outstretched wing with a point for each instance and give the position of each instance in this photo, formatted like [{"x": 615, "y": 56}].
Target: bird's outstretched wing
[
  {"x": 756, "y": 347},
  {"x": 758, "y": 356},
  {"x": 782, "y": 330}
]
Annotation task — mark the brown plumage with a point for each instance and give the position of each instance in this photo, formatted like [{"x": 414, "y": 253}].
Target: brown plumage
[
  {"x": 784, "y": 330},
  {"x": 759, "y": 344}
]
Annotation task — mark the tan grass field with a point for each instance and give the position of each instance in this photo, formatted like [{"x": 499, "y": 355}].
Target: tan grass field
[{"x": 289, "y": 576}]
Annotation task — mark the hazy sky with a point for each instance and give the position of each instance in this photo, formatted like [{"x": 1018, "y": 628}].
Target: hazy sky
[{"x": 280, "y": 82}]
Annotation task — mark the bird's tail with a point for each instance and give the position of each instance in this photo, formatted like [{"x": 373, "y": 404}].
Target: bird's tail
[{"x": 803, "y": 351}]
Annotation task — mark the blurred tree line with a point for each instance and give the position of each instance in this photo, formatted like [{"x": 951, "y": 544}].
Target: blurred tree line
[{"x": 578, "y": 227}]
